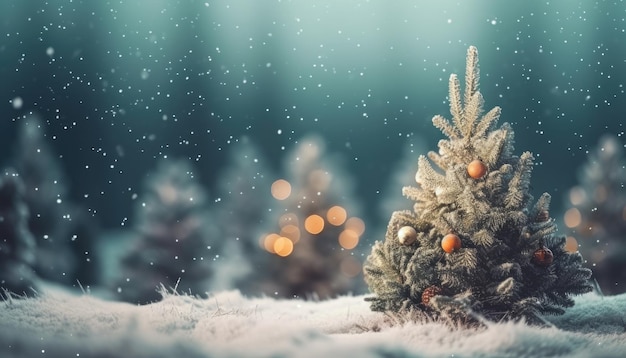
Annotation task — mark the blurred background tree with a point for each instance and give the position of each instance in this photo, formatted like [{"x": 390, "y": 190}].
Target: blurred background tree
[
  {"x": 312, "y": 252},
  {"x": 242, "y": 209},
  {"x": 64, "y": 233},
  {"x": 596, "y": 217},
  {"x": 176, "y": 240},
  {"x": 17, "y": 244}
]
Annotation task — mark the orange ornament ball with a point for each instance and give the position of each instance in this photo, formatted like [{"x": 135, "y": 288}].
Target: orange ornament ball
[
  {"x": 450, "y": 243},
  {"x": 476, "y": 169}
]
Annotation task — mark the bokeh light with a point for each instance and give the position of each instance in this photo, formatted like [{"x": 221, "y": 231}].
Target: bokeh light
[
  {"x": 336, "y": 215},
  {"x": 281, "y": 189},
  {"x": 572, "y": 218},
  {"x": 269, "y": 241},
  {"x": 292, "y": 232},
  {"x": 314, "y": 224},
  {"x": 348, "y": 239},
  {"x": 571, "y": 244},
  {"x": 283, "y": 246},
  {"x": 356, "y": 224},
  {"x": 577, "y": 196}
]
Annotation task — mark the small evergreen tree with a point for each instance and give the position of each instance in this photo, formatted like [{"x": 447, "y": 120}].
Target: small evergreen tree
[
  {"x": 474, "y": 244},
  {"x": 597, "y": 215},
  {"x": 244, "y": 205},
  {"x": 64, "y": 233},
  {"x": 17, "y": 245},
  {"x": 313, "y": 252},
  {"x": 174, "y": 246}
]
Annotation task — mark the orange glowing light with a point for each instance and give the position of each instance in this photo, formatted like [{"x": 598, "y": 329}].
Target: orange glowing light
[
  {"x": 314, "y": 224},
  {"x": 281, "y": 189},
  {"x": 269, "y": 241},
  {"x": 292, "y": 232},
  {"x": 571, "y": 244},
  {"x": 283, "y": 246},
  {"x": 577, "y": 195},
  {"x": 572, "y": 218},
  {"x": 355, "y": 224},
  {"x": 348, "y": 239},
  {"x": 336, "y": 215}
]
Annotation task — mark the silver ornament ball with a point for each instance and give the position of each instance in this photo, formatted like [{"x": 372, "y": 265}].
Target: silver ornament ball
[{"x": 407, "y": 235}]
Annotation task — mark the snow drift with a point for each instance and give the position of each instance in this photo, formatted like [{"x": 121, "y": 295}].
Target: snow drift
[{"x": 227, "y": 324}]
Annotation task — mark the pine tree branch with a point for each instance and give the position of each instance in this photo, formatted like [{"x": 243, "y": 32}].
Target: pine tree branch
[
  {"x": 456, "y": 108},
  {"x": 471, "y": 74},
  {"x": 491, "y": 150},
  {"x": 472, "y": 111},
  {"x": 438, "y": 160},
  {"x": 426, "y": 176},
  {"x": 487, "y": 121},
  {"x": 518, "y": 186},
  {"x": 445, "y": 127}
]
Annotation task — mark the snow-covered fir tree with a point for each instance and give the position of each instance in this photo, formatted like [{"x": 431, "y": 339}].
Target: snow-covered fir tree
[
  {"x": 63, "y": 231},
  {"x": 242, "y": 209},
  {"x": 476, "y": 245},
  {"x": 17, "y": 244},
  {"x": 313, "y": 250},
  {"x": 174, "y": 246},
  {"x": 596, "y": 215}
]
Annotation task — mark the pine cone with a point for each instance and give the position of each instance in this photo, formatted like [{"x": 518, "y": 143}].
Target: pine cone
[{"x": 429, "y": 293}]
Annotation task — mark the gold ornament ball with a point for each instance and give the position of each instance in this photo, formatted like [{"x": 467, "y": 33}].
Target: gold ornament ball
[
  {"x": 429, "y": 293},
  {"x": 543, "y": 257},
  {"x": 407, "y": 235},
  {"x": 476, "y": 169},
  {"x": 450, "y": 243}
]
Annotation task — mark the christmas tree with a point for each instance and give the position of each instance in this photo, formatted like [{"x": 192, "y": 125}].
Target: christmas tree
[
  {"x": 64, "y": 231},
  {"x": 597, "y": 215},
  {"x": 174, "y": 244},
  {"x": 17, "y": 245},
  {"x": 312, "y": 254},
  {"x": 242, "y": 210},
  {"x": 46, "y": 195},
  {"x": 475, "y": 246}
]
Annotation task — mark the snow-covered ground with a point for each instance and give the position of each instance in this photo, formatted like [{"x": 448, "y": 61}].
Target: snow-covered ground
[{"x": 60, "y": 324}]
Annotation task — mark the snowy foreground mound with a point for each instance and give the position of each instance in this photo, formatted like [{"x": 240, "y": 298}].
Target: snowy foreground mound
[{"x": 227, "y": 324}]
